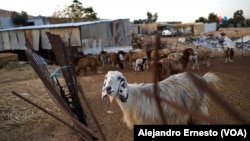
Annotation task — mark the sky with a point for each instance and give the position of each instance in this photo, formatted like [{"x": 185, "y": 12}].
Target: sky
[{"x": 186, "y": 11}]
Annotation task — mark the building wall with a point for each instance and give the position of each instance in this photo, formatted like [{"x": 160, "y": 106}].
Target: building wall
[
  {"x": 148, "y": 28},
  {"x": 97, "y": 37},
  {"x": 210, "y": 27},
  {"x": 198, "y": 28}
]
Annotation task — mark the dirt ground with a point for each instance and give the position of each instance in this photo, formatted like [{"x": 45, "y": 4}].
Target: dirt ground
[{"x": 22, "y": 121}]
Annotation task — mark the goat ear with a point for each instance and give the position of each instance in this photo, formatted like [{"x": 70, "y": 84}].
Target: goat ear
[
  {"x": 123, "y": 90},
  {"x": 123, "y": 96}
]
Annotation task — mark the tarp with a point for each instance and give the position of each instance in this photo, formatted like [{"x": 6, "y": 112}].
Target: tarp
[
  {"x": 209, "y": 27},
  {"x": 21, "y": 40},
  {"x": 229, "y": 43},
  {"x": 13, "y": 40},
  {"x": 243, "y": 40},
  {"x": 35, "y": 38},
  {"x": 6, "y": 40}
]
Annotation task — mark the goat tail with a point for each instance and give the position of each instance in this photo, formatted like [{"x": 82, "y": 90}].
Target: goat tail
[{"x": 210, "y": 77}]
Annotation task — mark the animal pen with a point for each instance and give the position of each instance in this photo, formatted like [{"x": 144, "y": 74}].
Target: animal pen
[{"x": 68, "y": 92}]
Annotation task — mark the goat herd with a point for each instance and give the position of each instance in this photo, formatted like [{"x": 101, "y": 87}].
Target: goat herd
[
  {"x": 168, "y": 62},
  {"x": 174, "y": 83}
]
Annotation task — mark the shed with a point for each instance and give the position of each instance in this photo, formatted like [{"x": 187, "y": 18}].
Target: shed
[{"x": 89, "y": 37}]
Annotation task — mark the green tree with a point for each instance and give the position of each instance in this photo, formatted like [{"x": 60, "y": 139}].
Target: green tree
[
  {"x": 212, "y": 18},
  {"x": 247, "y": 22},
  {"x": 232, "y": 22},
  {"x": 151, "y": 17},
  {"x": 76, "y": 11},
  {"x": 140, "y": 21},
  {"x": 90, "y": 13},
  {"x": 20, "y": 19},
  {"x": 201, "y": 19},
  {"x": 239, "y": 18}
]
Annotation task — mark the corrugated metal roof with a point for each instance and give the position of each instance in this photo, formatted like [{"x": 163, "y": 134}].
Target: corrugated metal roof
[{"x": 57, "y": 25}]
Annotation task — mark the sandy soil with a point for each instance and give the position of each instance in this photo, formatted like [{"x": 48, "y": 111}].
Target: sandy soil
[{"x": 21, "y": 121}]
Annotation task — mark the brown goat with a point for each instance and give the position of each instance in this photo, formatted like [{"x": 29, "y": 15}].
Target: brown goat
[
  {"x": 162, "y": 53},
  {"x": 100, "y": 62},
  {"x": 115, "y": 59},
  {"x": 169, "y": 67},
  {"x": 84, "y": 63},
  {"x": 138, "y": 54},
  {"x": 153, "y": 54},
  {"x": 78, "y": 57}
]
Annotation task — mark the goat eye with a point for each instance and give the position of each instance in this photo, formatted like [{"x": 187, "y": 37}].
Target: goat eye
[
  {"x": 123, "y": 85},
  {"x": 120, "y": 91},
  {"x": 119, "y": 77},
  {"x": 122, "y": 79}
]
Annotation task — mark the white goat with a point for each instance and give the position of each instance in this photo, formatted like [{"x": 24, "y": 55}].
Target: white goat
[
  {"x": 139, "y": 108},
  {"x": 139, "y": 64}
]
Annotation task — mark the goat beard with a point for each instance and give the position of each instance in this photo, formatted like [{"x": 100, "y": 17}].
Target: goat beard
[{"x": 111, "y": 99}]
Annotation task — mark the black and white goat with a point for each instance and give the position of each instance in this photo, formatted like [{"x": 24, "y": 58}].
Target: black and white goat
[
  {"x": 228, "y": 47},
  {"x": 229, "y": 54},
  {"x": 140, "y": 108},
  {"x": 194, "y": 59},
  {"x": 139, "y": 64}
]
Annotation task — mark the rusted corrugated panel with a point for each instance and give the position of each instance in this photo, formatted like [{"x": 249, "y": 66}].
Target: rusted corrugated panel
[
  {"x": 106, "y": 34},
  {"x": 1, "y": 42},
  {"x": 116, "y": 32},
  {"x": 109, "y": 39},
  {"x": 98, "y": 31},
  {"x": 121, "y": 33},
  {"x": 103, "y": 33},
  {"x": 6, "y": 40},
  {"x": 21, "y": 39},
  {"x": 125, "y": 34},
  {"x": 13, "y": 40},
  {"x": 44, "y": 39}
]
